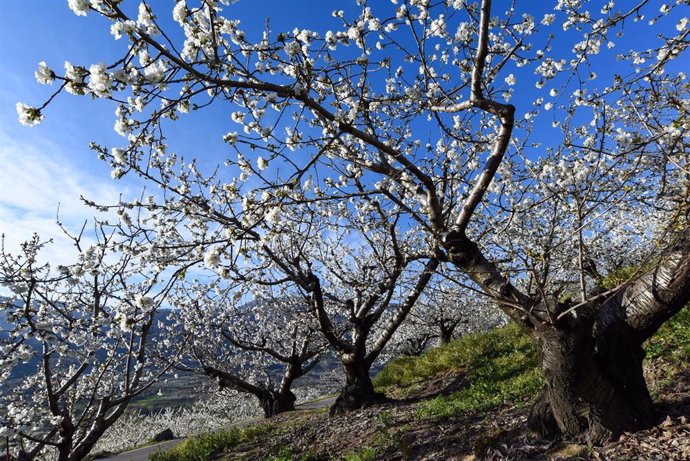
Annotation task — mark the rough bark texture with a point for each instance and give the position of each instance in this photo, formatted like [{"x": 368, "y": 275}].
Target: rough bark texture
[
  {"x": 588, "y": 393},
  {"x": 592, "y": 363},
  {"x": 274, "y": 403},
  {"x": 541, "y": 419},
  {"x": 358, "y": 391}
]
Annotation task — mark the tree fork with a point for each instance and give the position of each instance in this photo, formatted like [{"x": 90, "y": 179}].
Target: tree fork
[
  {"x": 586, "y": 394},
  {"x": 593, "y": 363}
]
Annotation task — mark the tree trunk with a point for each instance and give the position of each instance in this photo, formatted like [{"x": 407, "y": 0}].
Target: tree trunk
[
  {"x": 274, "y": 403},
  {"x": 446, "y": 333},
  {"x": 66, "y": 436},
  {"x": 594, "y": 383},
  {"x": 358, "y": 391},
  {"x": 592, "y": 363}
]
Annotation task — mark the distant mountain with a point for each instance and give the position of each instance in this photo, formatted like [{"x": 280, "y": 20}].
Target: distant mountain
[
  {"x": 29, "y": 367},
  {"x": 179, "y": 391}
]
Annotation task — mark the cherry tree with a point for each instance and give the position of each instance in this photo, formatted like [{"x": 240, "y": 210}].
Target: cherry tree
[
  {"x": 258, "y": 347},
  {"x": 76, "y": 351},
  {"x": 445, "y": 311},
  {"x": 356, "y": 276},
  {"x": 361, "y": 286},
  {"x": 413, "y": 100}
]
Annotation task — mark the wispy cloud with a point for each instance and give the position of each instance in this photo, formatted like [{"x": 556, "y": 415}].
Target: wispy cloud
[{"x": 37, "y": 178}]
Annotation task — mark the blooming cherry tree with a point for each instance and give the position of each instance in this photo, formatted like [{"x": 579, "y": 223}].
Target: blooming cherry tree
[
  {"x": 410, "y": 104},
  {"x": 355, "y": 276},
  {"x": 75, "y": 342},
  {"x": 446, "y": 311},
  {"x": 259, "y": 347}
]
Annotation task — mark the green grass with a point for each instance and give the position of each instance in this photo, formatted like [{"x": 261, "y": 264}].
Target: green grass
[
  {"x": 672, "y": 341},
  {"x": 669, "y": 351},
  {"x": 363, "y": 454},
  {"x": 501, "y": 367},
  {"x": 210, "y": 444}
]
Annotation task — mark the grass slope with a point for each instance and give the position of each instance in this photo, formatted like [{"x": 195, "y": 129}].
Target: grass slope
[
  {"x": 672, "y": 342},
  {"x": 465, "y": 398},
  {"x": 499, "y": 367},
  {"x": 208, "y": 445}
]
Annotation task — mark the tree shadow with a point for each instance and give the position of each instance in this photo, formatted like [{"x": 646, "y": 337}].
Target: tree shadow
[{"x": 442, "y": 385}]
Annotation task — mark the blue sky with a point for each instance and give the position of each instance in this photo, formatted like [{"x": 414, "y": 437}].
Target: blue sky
[{"x": 51, "y": 163}]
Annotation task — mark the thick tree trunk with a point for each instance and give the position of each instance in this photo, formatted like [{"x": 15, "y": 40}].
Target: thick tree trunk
[
  {"x": 446, "y": 333},
  {"x": 593, "y": 363},
  {"x": 358, "y": 391},
  {"x": 274, "y": 403},
  {"x": 599, "y": 393}
]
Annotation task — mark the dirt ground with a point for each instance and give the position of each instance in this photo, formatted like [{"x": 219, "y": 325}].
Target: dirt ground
[{"x": 395, "y": 431}]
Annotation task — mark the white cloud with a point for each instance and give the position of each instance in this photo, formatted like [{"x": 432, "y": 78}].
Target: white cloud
[{"x": 36, "y": 179}]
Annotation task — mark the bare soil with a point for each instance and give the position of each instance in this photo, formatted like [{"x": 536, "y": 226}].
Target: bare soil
[{"x": 396, "y": 431}]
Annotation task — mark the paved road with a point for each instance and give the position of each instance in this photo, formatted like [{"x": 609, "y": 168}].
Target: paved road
[
  {"x": 317, "y": 404},
  {"x": 142, "y": 454}
]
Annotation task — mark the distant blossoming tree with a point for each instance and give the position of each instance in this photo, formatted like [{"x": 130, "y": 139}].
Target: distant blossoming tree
[
  {"x": 75, "y": 340},
  {"x": 446, "y": 311},
  {"x": 259, "y": 347}
]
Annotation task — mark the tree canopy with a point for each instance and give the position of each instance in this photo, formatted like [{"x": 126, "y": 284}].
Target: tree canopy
[{"x": 535, "y": 149}]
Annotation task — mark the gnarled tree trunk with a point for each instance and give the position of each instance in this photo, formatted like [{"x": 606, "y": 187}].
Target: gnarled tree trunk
[
  {"x": 358, "y": 391},
  {"x": 591, "y": 357},
  {"x": 593, "y": 363},
  {"x": 600, "y": 394}
]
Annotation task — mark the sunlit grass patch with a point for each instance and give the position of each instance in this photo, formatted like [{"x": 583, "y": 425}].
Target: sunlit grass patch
[
  {"x": 207, "y": 445},
  {"x": 501, "y": 367},
  {"x": 672, "y": 341}
]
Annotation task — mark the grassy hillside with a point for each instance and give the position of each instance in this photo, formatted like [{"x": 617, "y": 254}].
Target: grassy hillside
[
  {"x": 672, "y": 342},
  {"x": 497, "y": 367},
  {"x": 208, "y": 445},
  {"x": 467, "y": 398}
]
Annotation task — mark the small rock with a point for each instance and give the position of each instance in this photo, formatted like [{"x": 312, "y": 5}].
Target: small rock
[{"x": 162, "y": 436}]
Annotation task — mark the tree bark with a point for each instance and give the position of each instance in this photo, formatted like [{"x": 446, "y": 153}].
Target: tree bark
[
  {"x": 67, "y": 435},
  {"x": 589, "y": 392},
  {"x": 446, "y": 333},
  {"x": 592, "y": 363},
  {"x": 358, "y": 391},
  {"x": 274, "y": 403}
]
